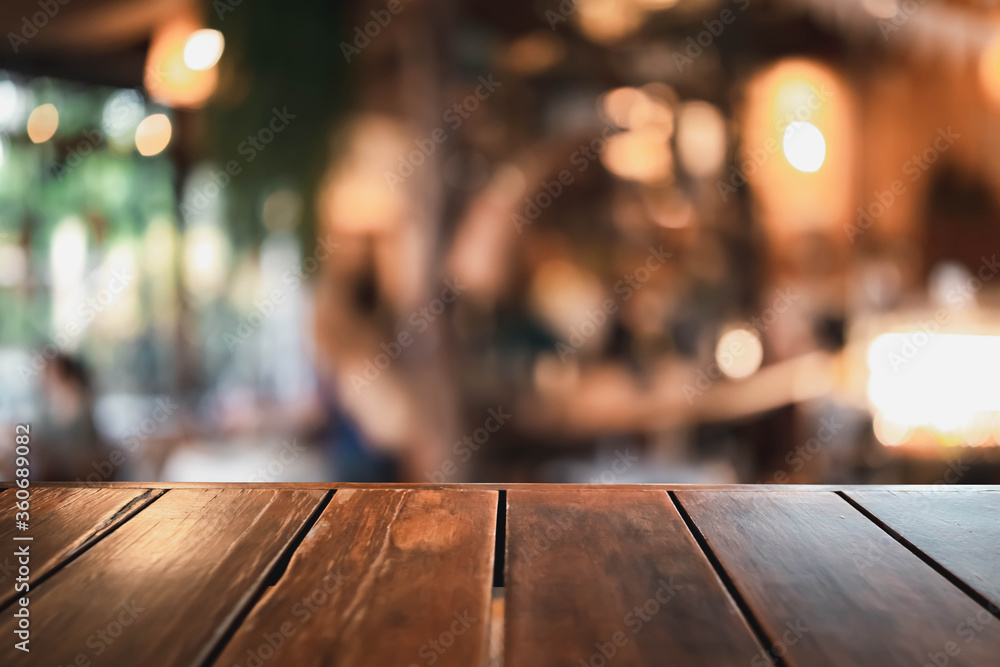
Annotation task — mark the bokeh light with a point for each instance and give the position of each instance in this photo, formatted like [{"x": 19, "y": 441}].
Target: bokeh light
[
  {"x": 739, "y": 353},
  {"x": 43, "y": 123},
  {"x": 701, "y": 138},
  {"x": 153, "y": 134},
  {"x": 804, "y": 146},
  {"x": 168, "y": 78},
  {"x": 203, "y": 49}
]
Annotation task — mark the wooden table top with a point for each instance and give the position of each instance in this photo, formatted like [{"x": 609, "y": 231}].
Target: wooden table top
[{"x": 518, "y": 575}]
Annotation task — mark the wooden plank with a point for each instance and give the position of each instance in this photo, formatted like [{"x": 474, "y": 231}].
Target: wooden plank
[
  {"x": 383, "y": 578},
  {"x": 959, "y": 531},
  {"x": 804, "y": 565},
  {"x": 162, "y": 589},
  {"x": 613, "y": 578},
  {"x": 62, "y": 522}
]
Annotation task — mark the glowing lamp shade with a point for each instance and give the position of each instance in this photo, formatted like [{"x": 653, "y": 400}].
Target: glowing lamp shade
[
  {"x": 804, "y": 146},
  {"x": 153, "y": 134},
  {"x": 42, "y": 123},
  {"x": 203, "y": 49}
]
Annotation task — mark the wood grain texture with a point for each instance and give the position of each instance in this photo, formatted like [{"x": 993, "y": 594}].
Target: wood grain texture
[
  {"x": 613, "y": 578},
  {"x": 162, "y": 588},
  {"x": 384, "y": 578},
  {"x": 960, "y": 531},
  {"x": 64, "y": 522},
  {"x": 830, "y": 588}
]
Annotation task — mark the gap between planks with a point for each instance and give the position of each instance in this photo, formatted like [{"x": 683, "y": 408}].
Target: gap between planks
[
  {"x": 271, "y": 579},
  {"x": 115, "y": 521},
  {"x": 756, "y": 627},
  {"x": 976, "y": 596}
]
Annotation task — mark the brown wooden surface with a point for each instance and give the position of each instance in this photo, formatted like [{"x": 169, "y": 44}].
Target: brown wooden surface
[
  {"x": 395, "y": 577},
  {"x": 960, "y": 531},
  {"x": 382, "y": 576},
  {"x": 835, "y": 589},
  {"x": 63, "y": 522},
  {"x": 581, "y": 567},
  {"x": 164, "y": 586}
]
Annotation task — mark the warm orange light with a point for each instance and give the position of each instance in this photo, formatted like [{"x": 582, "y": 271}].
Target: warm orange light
[
  {"x": 640, "y": 155},
  {"x": 534, "y": 53},
  {"x": 633, "y": 109},
  {"x": 796, "y": 152},
  {"x": 42, "y": 123},
  {"x": 701, "y": 138},
  {"x": 668, "y": 207},
  {"x": 607, "y": 21},
  {"x": 562, "y": 294},
  {"x": 364, "y": 191},
  {"x": 989, "y": 70},
  {"x": 891, "y": 432},
  {"x": 168, "y": 77},
  {"x": 153, "y": 134}
]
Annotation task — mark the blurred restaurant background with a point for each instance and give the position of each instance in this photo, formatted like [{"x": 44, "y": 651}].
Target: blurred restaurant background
[{"x": 468, "y": 241}]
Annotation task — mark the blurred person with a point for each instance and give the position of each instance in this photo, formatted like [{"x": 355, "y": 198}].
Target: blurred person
[
  {"x": 67, "y": 441},
  {"x": 354, "y": 458}
]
